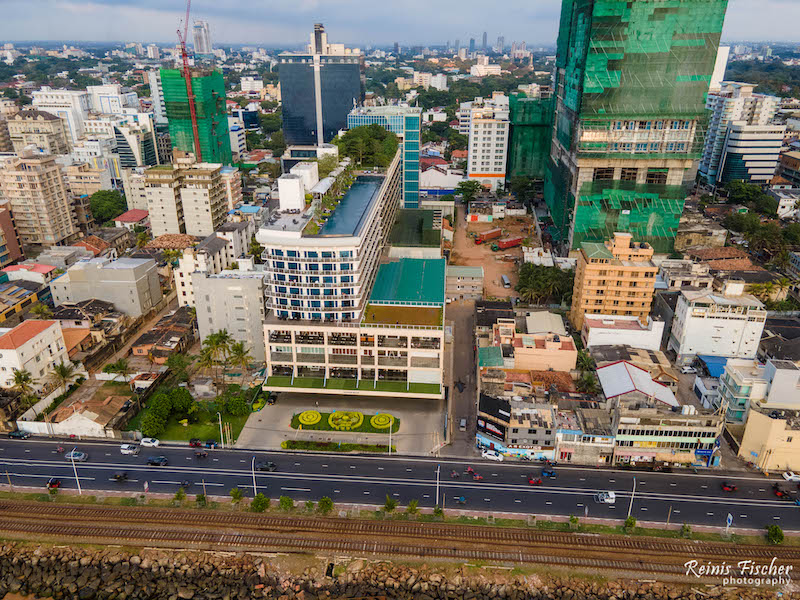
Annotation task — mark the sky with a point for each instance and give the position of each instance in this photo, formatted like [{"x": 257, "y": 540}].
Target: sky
[{"x": 354, "y": 22}]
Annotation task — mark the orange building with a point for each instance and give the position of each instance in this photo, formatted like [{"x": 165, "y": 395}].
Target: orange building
[{"x": 614, "y": 278}]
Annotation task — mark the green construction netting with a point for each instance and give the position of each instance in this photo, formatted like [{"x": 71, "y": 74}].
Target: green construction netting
[
  {"x": 531, "y": 136},
  {"x": 212, "y": 118},
  {"x": 410, "y": 281},
  {"x": 414, "y": 227}
]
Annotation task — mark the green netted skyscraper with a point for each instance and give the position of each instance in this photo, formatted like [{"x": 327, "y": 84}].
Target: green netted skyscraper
[
  {"x": 629, "y": 123},
  {"x": 530, "y": 135},
  {"x": 212, "y": 118}
]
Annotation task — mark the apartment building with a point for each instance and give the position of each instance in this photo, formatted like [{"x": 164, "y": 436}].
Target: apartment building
[
  {"x": 34, "y": 346},
  {"x": 40, "y": 129},
  {"x": 233, "y": 301},
  {"x": 186, "y": 197},
  {"x": 540, "y": 351},
  {"x": 741, "y": 142},
  {"x": 488, "y": 141},
  {"x": 464, "y": 283},
  {"x": 747, "y": 383},
  {"x": 613, "y": 278},
  {"x": 70, "y": 105},
  {"x": 133, "y": 183},
  {"x": 209, "y": 256},
  {"x": 232, "y": 182},
  {"x": 726, "y": 323},
  {"x": 84, "y": 180},
  {"x": 111, "y": 98},
  {"x": 680, "y": 273},
  {"x": 34, "y": 186},
  {"x": 771, "y": 439},
  {"x": 131, "y": 284}
]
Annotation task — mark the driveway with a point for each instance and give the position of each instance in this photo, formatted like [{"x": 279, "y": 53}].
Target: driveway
[{"x": 421, "y": 422}]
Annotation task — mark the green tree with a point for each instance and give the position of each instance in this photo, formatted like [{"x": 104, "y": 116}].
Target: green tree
[
  {"x": 201, "y": 500},
  {"x": 236, "y": 406},
  {"x": 573, "y": 522},
  {"x": 63, "y": 374},
  {"x": 270, "y": 123},
  {"x": 180, "y": 495},
  {"x": 438, "y": 511},
  {"x": 23, "y": 382},
  {"x": 286, "y": 503},
  {"x": 630, "y": 524},
  {"x": 41, "y": 311},
  {"x": 686, "y": 531},
  {"x": 179, "y": 363},
  {"x": 153, "y": 424},
  {"x": 390, "y": 504},
  {"x": 236, "y": 495},
  {"x": 468, "y": 189},
  {"x": 325, "y": 505},
  {"x": 181, "y": 400},
  {"x": 774, "y": 535},
  {"x": 240, "y": 357},
  {"x": 276, "y": 143},
  {"x": 585, "y": 362},
  {"x": 368, "y": 145},
  {"x": 260, "y": 503},
  {"x": 587, "y": 384},
  {"x": 326, "y": 164},
  {"x": 106, "y": 204},
  {"x": 413, "y": 507}
]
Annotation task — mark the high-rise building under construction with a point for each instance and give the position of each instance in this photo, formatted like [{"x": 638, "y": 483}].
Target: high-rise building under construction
[
  {"x": 208, "y": 88},
  {"x": 631, "y": 82}
]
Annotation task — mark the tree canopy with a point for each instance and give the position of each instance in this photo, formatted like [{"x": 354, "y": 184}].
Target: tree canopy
[
  {"x": 106, "y": 205},
  {"x": 538, "y": 284},
  {"x": 369, "y": 145}
]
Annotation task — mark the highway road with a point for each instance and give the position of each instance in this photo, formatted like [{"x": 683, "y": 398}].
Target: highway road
[{"x": 683, "y": 497}]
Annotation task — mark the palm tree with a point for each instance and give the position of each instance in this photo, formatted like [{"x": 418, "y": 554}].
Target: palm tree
[
  {"x": 142, "y": 239},
  {"x": 529, "y": 295},
  {"x": 769, "y": 289},
  {"x": 120, "y": 367},
  {"x": 240, "y": 357},
  {"x": 41, "y": 311},
  {"x": 757, "y": 289},
  {"x": 219, "y": 344},
  {"x": 587, "y": 384},
  {"x": 170, "y": 256},
  {"x": 585, "y": 362},
  {"x": 206, "y": 360},
  {"x": 783, "y": 284},
  {"x": 23, "y": 382},
  {"x": 63, "y": 374}
]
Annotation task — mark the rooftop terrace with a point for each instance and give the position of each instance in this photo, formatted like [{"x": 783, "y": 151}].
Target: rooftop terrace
[{"x": 410, "y": 281}]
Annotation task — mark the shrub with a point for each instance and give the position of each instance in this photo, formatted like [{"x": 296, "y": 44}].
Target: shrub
[
  {"x": 260, "y": 503},
  {"x": 390, "y": 504},
  {"x": 128, "y": 502},
  {"x": 412, "y": 507},
  {"x": 382, "y": 421},
  {"x": 630, "y": 524},
  {"x": 180, "y": 495},
  {"x": 774, "y": 535},
  {"x": 309, "y": 506},
  {"x": 236, "y": 406},
  {"x": 201, "y": 500},
  {"x": 573, "y": 521},
  {"x": 325, "y": 505},
  {"x": 309, "y": 417},
  {"x": 286, "y": 503},
  {"x": 686, "y": 531},
  {"x": 345, "y": 420},
  {"x": 153, "y": 424},
  {"x": 438, "y": 511},
  {"x": 236, "y": 494}
]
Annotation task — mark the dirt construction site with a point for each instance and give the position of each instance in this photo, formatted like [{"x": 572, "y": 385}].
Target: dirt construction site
[{"x": 503, "y": 262}]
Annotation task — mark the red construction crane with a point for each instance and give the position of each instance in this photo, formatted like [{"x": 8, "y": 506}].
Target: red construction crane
[{"x": 187, "y": 75}]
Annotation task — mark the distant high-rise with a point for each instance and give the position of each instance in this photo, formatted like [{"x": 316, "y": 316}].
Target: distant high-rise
[
  {"x": 202, "y": 38},
  {"x": 501, "y": 44},
  {"x": 319, "y": 89},
  {"x": 630, "y": 90},
  {"x": 457, "y": 45},
  {"x": 472, "y": 45},
  {"x": 153, "y": 53},
  {"x": 485, "y": 42},
  {"x": 212, "y": 121},
  {"x": 396, "y": 49}
]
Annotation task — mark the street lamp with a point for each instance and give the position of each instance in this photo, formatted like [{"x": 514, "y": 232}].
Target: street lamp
[
  {"x": 75, "y": 470},
  {"x": 221, "y": 439},
  {"x": 438, "y": 468},
  {"x": 253, "y": 469},
  {"x": 630, "y": 506}
]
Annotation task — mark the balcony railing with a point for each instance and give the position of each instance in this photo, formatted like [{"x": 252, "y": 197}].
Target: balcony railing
[
  {"x": 342, "y": 340},
  {"x": 433, "y": 344},
  {"x": 392, "y": 342},
  {"x": 280, "y": 356},
  {"x": 425, "y": 362},
  {"x": 280, "y": 338},
  {"x": 343, "y": 359},
  {"x": 392, "y": 361},
  {"x": 367, "y": 360},
  {"x": 310, "y": 358}
]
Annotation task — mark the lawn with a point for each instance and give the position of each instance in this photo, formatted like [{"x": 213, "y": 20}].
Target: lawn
[
  {"x": 112, "y": 388},
  {"x": 333, "y": 446},
  {"x": 350, "y": 384},
  {"x": 206, "y": 428},
  {"x": 323, "y": 425}
]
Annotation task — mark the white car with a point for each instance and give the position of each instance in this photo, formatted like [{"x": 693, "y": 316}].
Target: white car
[
  {"x": 605, "y": 497},
  {"x": 492, "y": 455},
  {"x": 129, "y": 449},
  {"x": 688, "y": 370},
  {"x": 791, "y": 476},
  {"x": 149, "y": 442}
]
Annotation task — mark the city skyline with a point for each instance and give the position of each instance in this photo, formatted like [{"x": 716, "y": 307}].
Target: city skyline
[{"x": 353, "y": 22}]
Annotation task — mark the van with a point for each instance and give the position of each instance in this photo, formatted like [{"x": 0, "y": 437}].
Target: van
[
  {"x": 506, "y": 281},
  {"x": 462, "y": 425}
]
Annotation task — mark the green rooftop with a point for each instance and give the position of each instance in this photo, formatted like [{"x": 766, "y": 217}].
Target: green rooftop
[
  {"x": 410, "y": 282},
  {"x": 413, "y": 227},
  {"x": 596, "y": 250},
  {"x": 490, "y": 356}
]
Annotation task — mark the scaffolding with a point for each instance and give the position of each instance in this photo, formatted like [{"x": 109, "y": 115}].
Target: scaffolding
[
  {"x": 212, "y": 120},
  {"x": 531, "y": 135}
]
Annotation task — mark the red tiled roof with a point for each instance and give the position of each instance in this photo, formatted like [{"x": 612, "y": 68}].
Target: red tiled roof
[
  {"x": 714, "y": 253},
  {"x": 733, "y": 264},
  {"x": 43, "y": 269},
  {"x": 134, "y": 215},
  {"x": 459, "y": 154},
  {"x": 23, "y": 333},
  {"x": 94, "y": 244}
]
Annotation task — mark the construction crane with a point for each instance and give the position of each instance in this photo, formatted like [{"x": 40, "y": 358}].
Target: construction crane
[{"x": 187, "y": 75}]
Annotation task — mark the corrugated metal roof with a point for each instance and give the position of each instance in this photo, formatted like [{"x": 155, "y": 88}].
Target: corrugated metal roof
[{"x": 623, "y": 377}]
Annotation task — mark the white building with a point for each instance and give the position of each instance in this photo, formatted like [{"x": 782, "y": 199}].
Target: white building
[
  {"x": 482, "y": 70},
  {"x": 788, "y": 201},
  {"x": 238, "y": 138},
  {"x": 775, "y": 385},
  {"x": 153, "y": 53},
  {"x": 718, "y": 323},
  {"x": 133, "y": 182},
  {"x": 232, "y": 183},
  {"x": 252, "y": 84},
  {"x": 439, "y": 82},
  {"x": 202, "y": 38},
  {"x": 157, "y": 95},
  {"x": 111, "y": 99},
  {"x": 741, "y": 143},
  {"x": 71, "y": 105},
  {"x": 34, "y": 346},
  {"x": 609, "y": 330},
  {"x": 488, "y": 141}
]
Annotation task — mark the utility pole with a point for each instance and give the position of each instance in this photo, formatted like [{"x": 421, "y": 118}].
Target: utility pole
[
  {"x": 438, "y": 468},
  {"x": 253, "y": 469},
  {"x": 75, "y": 470},
  {"x": 221, "y": 438},
  {"x": 630, "y": 506}
]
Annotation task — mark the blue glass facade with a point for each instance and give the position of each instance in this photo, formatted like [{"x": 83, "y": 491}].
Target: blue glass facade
[{"x": 405, "y": 122}]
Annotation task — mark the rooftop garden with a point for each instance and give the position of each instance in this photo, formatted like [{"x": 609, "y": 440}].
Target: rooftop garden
[{"x": 368, "y": 145}]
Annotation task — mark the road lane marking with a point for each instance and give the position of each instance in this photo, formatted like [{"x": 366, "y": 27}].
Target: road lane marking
[
  {"x": 352, "y": 466},
  {"x": 108, "y": 453},
  {"x": 426, "y": 495},
  {"x": 583, "y": 478},
  {"x": 742, "y": 516},
  {"x": 395, "y": 494},
  {"x": 380, "y": 468},
  {"x": 324, "y": 466},
  {"x": 168, "y": 482},
  {"x": 408, "y": 470},
  {"x": 548, "y": 502},
  {"x": 366, "y": 493},
  {"x": 296, "y": 489},
  {"x": 487, "y": 499},
  {"x": 643, "y": 508},
  {"x": 673, "y": 484},
  {"x": 295, "y": 464},
  {"x": 776, "y": 517},
  {"x": 336, "y": 491},
  {"x": 705, "y": 487},
  {"x": 242, "y": 461},
  {"x": 709, "y": 514},
  {"x": 676, "y": 512},
  {"x": 518, "y": 501}
]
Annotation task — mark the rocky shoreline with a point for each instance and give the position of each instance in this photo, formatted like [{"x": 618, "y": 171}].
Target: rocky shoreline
[{"x": 60, "y": 572}]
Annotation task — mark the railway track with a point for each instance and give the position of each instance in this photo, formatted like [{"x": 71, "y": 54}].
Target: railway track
[{"x": 434, "y": 536}]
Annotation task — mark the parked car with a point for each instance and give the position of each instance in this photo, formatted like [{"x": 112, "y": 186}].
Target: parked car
[
  {"x": 195, "y": 443},
  {"x": 266, "y": 466},
  {"x": 791, "y": 476},
  {"x": 212, "y": 444},
  {"x": 53, "y": 483},
  {"x": 549, "y": 472},
  {"x": 688, "y": 370},
  {"x": 462, "y": 425},
  {"x": 727, "y": 486},
  {"x": 131, "y": 449},
  {"x": 19, "y": 435},
  {"x": 150, "y": 442},
  {"x": 77, "y": 456},
  {"x": 492, "y": 455},
  {"x": 158, "y": 461}
]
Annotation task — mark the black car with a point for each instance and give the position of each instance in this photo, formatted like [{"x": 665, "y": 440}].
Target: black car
[
  {"x": 266, "y": 466},
  {"x": 19, "y": 435},
  {"x": 548, "y": 472},
  {"x": 212, "y": 444},
  {"x": 158, "y": 461}
]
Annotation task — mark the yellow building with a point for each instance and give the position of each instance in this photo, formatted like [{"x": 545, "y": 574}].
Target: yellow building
[
  {"x": 614, "y": 278},
  {"x": 772, "y": 442}
]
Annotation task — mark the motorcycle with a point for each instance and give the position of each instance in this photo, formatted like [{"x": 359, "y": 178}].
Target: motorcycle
[
  {"x": 60, "y": 449},
  {"x": 470, "y": 471},
  {"x": 454, "y": 475},
  {"x": 477, "y": 477},
  {"x": 201, "y": 454},
  {"x": 461, "y": 500}
]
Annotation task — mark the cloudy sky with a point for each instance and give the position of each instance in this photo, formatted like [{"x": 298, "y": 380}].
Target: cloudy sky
[{"x": 356, "y": 22}]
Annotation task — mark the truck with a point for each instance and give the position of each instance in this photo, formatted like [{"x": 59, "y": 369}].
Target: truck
[
  {"x": 492, "y": 234},
  {"x": 506, "y": 243}
]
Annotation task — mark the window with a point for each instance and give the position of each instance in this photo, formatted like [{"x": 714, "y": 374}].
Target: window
[
  {"x": 641, "y": 147},
  {"x": 657, "y": 178},
  {"x": 789, "y": 440},
  {"x": 629, "y": 174},
  {"x": 603, "y": 174}
]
